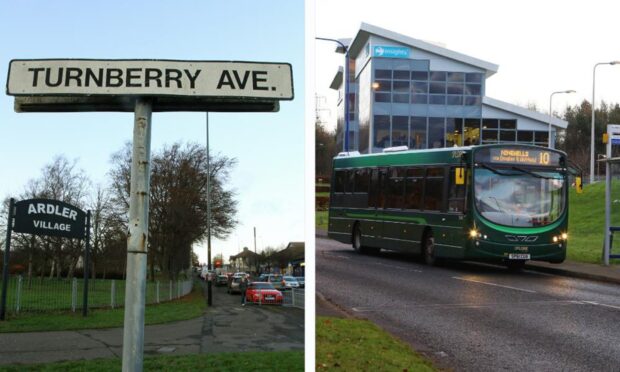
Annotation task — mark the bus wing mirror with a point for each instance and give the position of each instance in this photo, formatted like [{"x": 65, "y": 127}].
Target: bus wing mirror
[
  {"x": 578, "y": 185},
  {"x": 459, "y": 176}
]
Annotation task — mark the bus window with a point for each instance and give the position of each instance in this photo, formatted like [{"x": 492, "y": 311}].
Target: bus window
[
  {"x": 339, "y": 182},
  {"x": 383, "y": 185},
  {"x": 456, "y": 193},
  {"x": 350, "y": 183},
  {"x": 396, "y": 188},
  {"x": 361, "y": 180},
  {"x": 373, "y": 195},
  {"x": 414, "y": 188},
  {"x": 434, "y": 189}
]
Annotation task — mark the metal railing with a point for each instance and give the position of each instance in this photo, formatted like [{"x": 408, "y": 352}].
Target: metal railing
[
  {"x": 294, "y": 297},
  {"x": 44, "y": 294}
]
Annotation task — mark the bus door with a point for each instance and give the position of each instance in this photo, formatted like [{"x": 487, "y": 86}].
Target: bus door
[
  {"x": 455, "y": 190},
  {"x": 376, "y": 202}
]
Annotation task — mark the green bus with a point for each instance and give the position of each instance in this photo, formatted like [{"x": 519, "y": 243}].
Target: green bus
[{"x": 503, "y": 203}]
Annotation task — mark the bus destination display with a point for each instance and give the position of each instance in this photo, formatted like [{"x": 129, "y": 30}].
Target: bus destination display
[{"x": 514, "y": 155}]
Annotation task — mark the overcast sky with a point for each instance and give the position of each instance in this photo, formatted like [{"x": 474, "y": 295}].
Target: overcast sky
[
  {"x": 540, "y": 46},
  {"x": 268, "y": 146}
]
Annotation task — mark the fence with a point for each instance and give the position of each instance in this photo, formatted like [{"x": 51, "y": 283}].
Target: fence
[
  {"x": 294, "y": 297},
  {"x": 46, "y": 294}
]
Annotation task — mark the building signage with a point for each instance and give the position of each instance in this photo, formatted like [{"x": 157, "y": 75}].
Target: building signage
[
  {"x": 49, "y": 217},
  {"x": 85, "y": 77},
  {"x": 390, "y": 51}
]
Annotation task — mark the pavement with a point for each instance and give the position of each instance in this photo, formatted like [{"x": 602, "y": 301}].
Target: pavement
[
  {"x": 597, "y": 272},
  {"x": 225, "y": 327}
]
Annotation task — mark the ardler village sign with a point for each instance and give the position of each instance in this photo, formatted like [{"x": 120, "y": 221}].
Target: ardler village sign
[
  {"x": 141, "y": 86},
  {"x": 45, "y": 217}
]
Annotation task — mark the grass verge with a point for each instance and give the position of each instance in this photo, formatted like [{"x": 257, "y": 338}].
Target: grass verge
[
  {"x": 251, "y": 361},
  {"x": 321, "y": 219},
  {"x": 188, "y": 307},
  {"x": 359, "y": 345},
  {"x": 586, "y": 222}
]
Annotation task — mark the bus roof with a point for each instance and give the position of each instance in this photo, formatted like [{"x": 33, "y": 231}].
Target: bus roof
[{"x": 443, "y": 155}]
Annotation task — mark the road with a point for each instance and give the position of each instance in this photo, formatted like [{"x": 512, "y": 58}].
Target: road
[{"x": 475, "y": 317}]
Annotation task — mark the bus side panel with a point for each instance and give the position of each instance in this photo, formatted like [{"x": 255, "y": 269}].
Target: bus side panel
[
  {"x": 450, "y": 238},
  {"x": 339, "y": 227},
  {"x": 401, "y": 231}
]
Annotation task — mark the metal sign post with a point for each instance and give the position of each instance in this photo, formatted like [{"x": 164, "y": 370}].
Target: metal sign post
[
  {"x": 5, "y": 264},
  {"x": 143, "y": 87},
  {"x": 135, "y": 286},
  {"x": 613, "y": 135}
]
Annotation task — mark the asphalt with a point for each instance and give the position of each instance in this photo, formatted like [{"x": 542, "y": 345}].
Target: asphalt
[
  {"x": 597, "y": 272},
  {"x": 225, "y": 327}
]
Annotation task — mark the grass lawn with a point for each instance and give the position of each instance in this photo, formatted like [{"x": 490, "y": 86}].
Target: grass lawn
[
  {"x": 587, "y": 222},
  {"x": 321, "y": 220},
  {"x": 55, "y": 294},
  {"x": 188, "y": 307},
  {"x": 255, "y": 361},
  {"x": 359, "y": 345}
]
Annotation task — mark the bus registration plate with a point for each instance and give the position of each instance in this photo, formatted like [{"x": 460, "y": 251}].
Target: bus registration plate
[{"x": 519, "y": 256}]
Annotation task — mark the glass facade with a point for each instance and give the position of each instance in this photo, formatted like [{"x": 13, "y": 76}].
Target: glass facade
[{"x": 403, "y": 102}]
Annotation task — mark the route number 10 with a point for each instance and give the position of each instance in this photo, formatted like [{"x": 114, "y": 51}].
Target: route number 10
[{"x": 544, "y": 158}]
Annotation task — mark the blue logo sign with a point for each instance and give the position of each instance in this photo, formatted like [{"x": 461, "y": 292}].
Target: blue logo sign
[
  {"x": 390, "y": 51},
  {"x": 615, "y": 141}
]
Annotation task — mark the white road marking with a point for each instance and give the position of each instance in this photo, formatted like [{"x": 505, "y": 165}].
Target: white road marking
[
  {"x": 465, "y": 305},
  {"x": 397, "y": 267},
  {"x": 493, "y": 284},
  {"x": 604, "y": 305}
]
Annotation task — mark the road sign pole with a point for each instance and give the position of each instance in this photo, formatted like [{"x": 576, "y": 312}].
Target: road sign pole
[
  {"x": 5, "y": 265},
  {"x": 135, "y": 288},
  {"x": 86, "y": 264}
]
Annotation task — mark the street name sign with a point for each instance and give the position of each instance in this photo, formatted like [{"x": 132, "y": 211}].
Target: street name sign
[
  {"x": 51, "y": 85},
  {"x": 49, "y": 217}
]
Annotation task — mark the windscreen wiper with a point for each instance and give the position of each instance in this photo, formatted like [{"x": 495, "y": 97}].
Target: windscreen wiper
[
  {"x": 496, "y": 171},
  {"x": 533, "y": 174}
]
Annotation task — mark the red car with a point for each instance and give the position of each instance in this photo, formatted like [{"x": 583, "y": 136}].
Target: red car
[{"x": 263, "y": 293}]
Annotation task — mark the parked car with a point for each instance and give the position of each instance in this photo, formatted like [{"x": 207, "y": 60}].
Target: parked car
[
  {"x": 233, "y": 285},
  {"x": 277, "y": 280},
  {"x": 301, "y": 281},
  {"x": 290, "y": 282},
  {"x": 263, "y": 293},
  {"x": 221, "y": 280}
]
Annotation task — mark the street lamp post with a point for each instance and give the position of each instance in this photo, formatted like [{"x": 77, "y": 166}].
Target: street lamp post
[
  {"x": 592, "y": 132},
  {"x": 209, "y": 288},
  {"x": 345, "y": 51},
  {"x": 551, "y": 112},
  {"x": 598, "y": 160}
]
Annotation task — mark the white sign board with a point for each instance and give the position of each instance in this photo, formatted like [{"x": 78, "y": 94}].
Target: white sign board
[{"x": 84, "y": 77}]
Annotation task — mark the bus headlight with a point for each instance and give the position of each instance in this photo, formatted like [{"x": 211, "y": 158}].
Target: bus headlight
[
  {"x": 564, "y": 236},
  {"x": 473, "y": 233},
  {"x": 555, "y": 239}
]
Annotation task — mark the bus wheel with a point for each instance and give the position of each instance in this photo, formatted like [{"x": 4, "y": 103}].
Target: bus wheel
[
  {"x": 357, "y": 239},
  {"x": 515, "y": 265},
  {"x": 429, "y": 250}
]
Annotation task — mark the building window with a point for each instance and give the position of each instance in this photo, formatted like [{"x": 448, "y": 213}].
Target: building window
[
  {"x": 473, "y": 77},
  {"x": 437, "y": 99},
  {"x": 383, "y": 74},
  {"x": 525, "y": 136},
  {"x": 402, "y": 75},
  {"x": 400, "y": 130},
  {"x": 419, "y": 75},
  {"x": 471, "y": 132},
  {"x": 454, "y": 132},
  {"x": 420, "y": 99},
  {"x": 417, "y": 133},
  {"x": 436, "y": 130},
  {"x": 438, "y": 76},
  {"x": 382, "y": 131}
]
